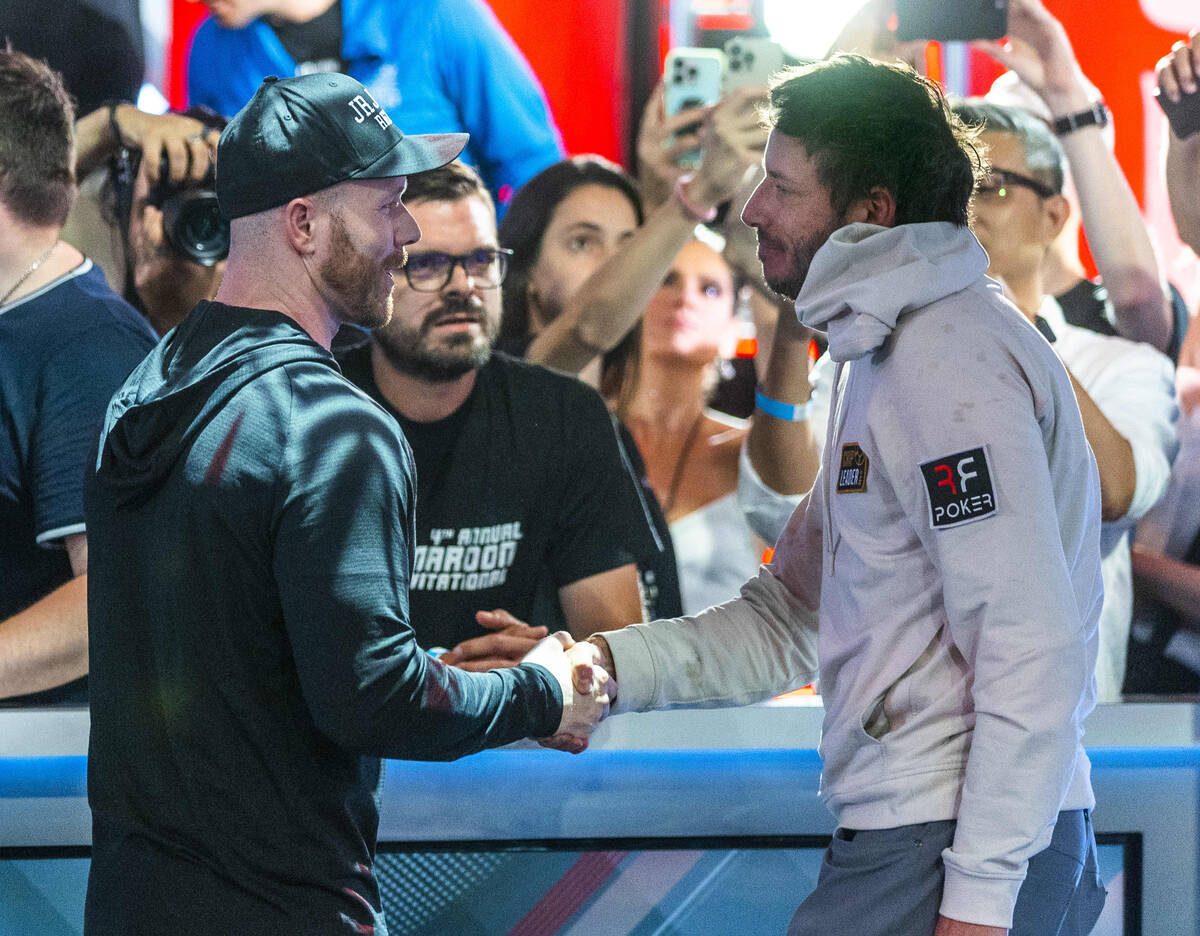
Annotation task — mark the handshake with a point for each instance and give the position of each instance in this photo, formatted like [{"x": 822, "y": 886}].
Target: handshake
[{"x": 584, "y": 673}]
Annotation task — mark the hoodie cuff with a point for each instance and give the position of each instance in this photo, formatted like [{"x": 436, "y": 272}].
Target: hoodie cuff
[
  {"x": 984, "y": 901},
  {"x": 636, "y": 682}
]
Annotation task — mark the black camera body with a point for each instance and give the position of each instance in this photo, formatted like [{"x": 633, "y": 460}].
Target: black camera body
[{"x": 192, "y": 221}]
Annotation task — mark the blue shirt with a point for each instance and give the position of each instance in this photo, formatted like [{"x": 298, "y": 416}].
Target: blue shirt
[
  {"x": 437, "y": 66},
  {"x": 64, "y": 350}
]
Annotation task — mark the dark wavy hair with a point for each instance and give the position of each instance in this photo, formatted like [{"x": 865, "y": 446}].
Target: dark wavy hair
[
  {"x": 37, "y": 140},
  {"x": 524, "y": 225},
  {"x": 867, "y": 124}
]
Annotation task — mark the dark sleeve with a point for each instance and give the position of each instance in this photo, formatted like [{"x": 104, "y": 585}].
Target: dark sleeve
[
  {"x": 601, "y": 522},
  {"x": 342, "y": 563},
  {"x": 75, "y": 388}
]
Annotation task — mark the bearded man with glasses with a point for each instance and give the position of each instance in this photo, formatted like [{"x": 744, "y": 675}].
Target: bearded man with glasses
[{"x": 529, "y": 518}]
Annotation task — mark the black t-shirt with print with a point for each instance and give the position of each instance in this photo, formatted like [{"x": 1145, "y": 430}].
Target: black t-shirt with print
[
  {"x": 519, "y": 492},
  {"x": 316, "y": 46},
  {"x": 658, "y": 572}
]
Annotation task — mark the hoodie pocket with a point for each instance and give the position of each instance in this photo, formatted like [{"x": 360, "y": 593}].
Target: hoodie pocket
[
  {"x": 874, "y": 722},
  {"x": 936, "y": 671}
]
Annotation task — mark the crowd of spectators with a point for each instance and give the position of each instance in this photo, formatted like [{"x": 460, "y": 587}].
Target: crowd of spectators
[{"x": 560, "y": 328}]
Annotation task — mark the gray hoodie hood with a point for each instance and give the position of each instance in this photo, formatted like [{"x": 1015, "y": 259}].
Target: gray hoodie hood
[{"x": 909, "y": 266}]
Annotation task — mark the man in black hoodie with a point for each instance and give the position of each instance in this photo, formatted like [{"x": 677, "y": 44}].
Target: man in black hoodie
[{"x": 252, "y": 518}]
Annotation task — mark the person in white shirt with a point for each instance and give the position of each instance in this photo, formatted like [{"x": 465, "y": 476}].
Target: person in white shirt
[{"x": 1125, "y": 389}]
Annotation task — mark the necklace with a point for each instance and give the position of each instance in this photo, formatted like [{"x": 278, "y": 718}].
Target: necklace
[
  {"x": 681, "y": 462},
  {"x": 28, "y": 273}
]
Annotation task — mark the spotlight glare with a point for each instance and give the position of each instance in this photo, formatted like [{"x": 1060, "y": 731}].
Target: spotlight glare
[{"x": 806, "y": 28}]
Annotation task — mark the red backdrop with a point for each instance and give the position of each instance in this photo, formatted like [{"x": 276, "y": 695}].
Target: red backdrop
[{"x": 578, "y": 49}]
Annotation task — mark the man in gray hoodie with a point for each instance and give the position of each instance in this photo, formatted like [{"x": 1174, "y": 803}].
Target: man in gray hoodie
[{"x": 944, "y": 569}]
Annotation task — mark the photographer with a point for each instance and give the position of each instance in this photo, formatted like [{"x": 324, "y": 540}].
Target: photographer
[{"x": 151, "y": 224}]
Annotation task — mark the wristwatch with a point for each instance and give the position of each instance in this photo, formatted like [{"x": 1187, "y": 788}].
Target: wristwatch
[{"x": 1095, "y": 116}]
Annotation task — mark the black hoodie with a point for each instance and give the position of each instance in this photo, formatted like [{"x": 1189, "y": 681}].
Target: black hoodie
[{"x": 249, "y": 523}]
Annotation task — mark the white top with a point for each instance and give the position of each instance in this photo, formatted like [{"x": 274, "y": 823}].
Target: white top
[
  {"x": 715, "y": 552},
  {"x": 956, "y": 649},
  {"x": 1134, "y": 387}
]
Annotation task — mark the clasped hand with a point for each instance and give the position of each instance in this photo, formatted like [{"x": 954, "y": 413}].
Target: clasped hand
[{"x": 587, "y": 688}]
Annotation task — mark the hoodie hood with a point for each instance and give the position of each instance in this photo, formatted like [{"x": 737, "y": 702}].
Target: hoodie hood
[
  {"x": 865, "y": 277},
  {"x": 190, "y": 375}
]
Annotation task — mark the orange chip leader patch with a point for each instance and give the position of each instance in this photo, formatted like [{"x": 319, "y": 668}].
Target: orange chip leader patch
[{"x": 852, "y": 476}]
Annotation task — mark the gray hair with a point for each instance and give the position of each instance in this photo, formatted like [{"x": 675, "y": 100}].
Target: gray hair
[{"x": 1044, "y": 156}]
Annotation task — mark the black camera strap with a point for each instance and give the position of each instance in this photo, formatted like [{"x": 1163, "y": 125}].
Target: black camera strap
[{"x": 122, "y": 173}]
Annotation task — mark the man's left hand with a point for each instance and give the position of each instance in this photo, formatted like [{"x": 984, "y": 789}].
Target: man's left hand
[
  {"x": 512, "y": 639},
  {"x": 949, "y": 927}
]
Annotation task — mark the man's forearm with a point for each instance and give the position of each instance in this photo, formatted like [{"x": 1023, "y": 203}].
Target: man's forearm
[
  {"x": 603, "y": 601},
  {"x": 1114, "y": 457},
  {"x": 1183, "y": 187},
  {"x": 46, "y": 645},
  {"x": 1116, "y": 232},
  {"x": 1170, "y": 581}
]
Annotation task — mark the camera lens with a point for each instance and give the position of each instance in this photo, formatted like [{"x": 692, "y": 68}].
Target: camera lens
[{"x": 194, "y": 226}]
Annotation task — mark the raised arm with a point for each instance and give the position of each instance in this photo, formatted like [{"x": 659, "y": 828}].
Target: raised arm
[
  {"x": 611, "y": 300},
  {"x": 189, "y": 146},
  {"x": 1179, "y": 74},
  {"x": 1040, "y": 53}
]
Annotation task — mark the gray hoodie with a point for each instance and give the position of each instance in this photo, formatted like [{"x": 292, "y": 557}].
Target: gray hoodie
[{"x": 949, "y": 550}]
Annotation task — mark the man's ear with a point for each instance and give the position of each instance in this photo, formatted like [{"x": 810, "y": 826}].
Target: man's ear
[
  {"x": 1055, "y": 211},
  {"x": 878, "y": 206},
  {"x": 300, "y": 222}
]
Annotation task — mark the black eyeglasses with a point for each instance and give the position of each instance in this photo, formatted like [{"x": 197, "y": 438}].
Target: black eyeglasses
[
  {"x": 430, "y": 272},
  {"x": 1000, "y": 181}
]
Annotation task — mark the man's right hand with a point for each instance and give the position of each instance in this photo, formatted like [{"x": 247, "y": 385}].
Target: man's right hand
[{"x": 584, "y": 687}]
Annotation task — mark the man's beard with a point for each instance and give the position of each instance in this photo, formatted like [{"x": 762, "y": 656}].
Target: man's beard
[
  {"x": 409, "y": 349},
  {"x": 801, "y": 255},
  {"x": 361, "y": 294}
]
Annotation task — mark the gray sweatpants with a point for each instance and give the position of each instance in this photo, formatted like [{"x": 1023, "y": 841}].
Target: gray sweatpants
[{"x": 885, "y": 882}]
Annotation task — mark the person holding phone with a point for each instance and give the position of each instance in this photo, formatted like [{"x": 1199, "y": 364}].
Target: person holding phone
[
  {"x": 1179, "y": 83},
  {"x": 1131, "y": 298},
  {"x": 1179, "y": 93}
]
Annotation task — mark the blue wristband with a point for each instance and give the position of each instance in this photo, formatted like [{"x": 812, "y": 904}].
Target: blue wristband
[{"x": 788, "y": 412}]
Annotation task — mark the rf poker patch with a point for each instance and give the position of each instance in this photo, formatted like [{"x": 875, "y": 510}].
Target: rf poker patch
[
  {"x": 852, "y": 475},
  {"x": 960, "y": 488}
]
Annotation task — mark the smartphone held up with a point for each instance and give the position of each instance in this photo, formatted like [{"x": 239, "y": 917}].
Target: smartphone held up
[{"x": 951, "y": 21}]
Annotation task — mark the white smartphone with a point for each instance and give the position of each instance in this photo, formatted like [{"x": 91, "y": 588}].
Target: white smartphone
[
  {"x": 751, "y": 61},
  {"x": 693, "y": 79}
]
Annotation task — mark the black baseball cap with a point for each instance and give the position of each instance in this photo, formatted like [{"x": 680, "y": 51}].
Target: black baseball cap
[{"x": 300, "y": 135}]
